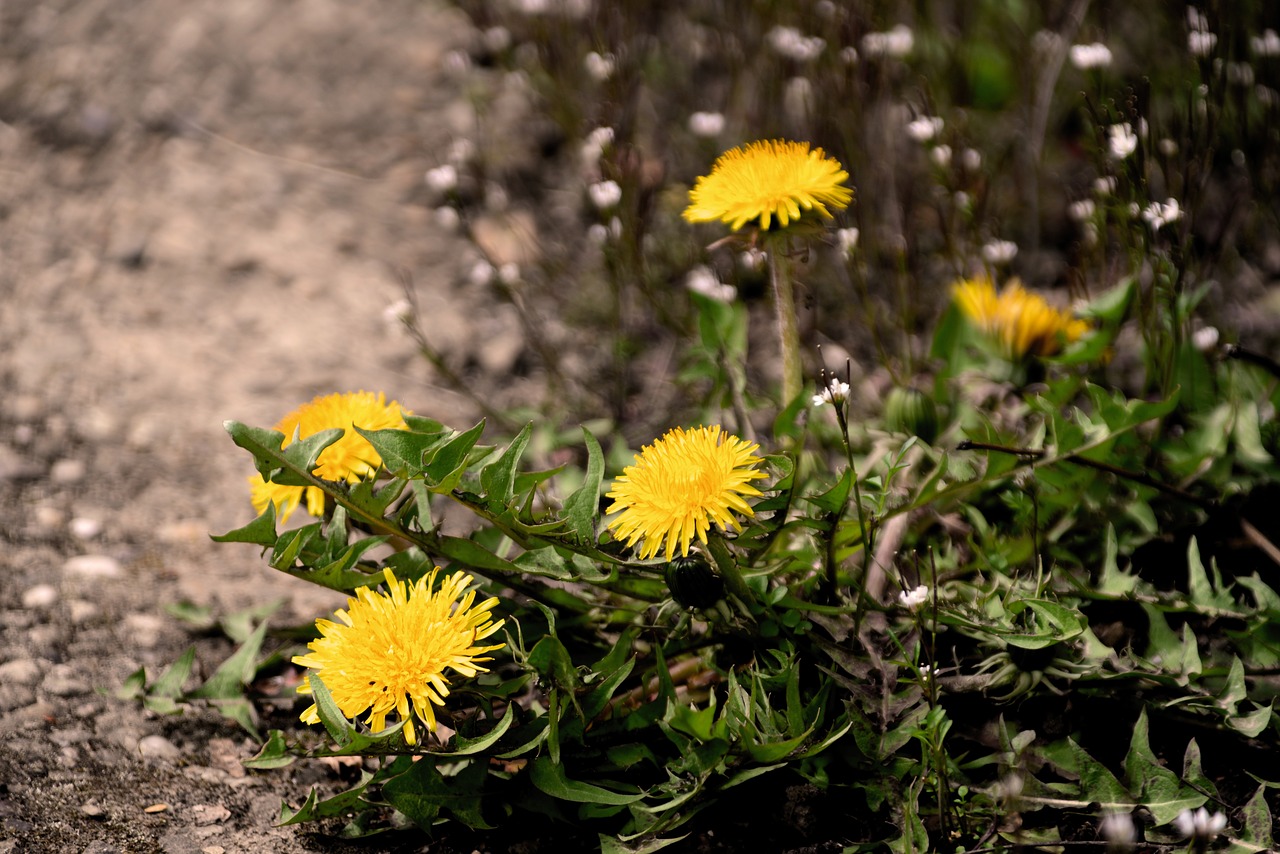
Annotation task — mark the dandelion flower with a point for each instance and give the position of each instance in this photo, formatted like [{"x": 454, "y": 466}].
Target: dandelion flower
[
  {"x": 1022, "y": 323},
  {"x": 767, "y": 180},
  {"x": 680, "y": 485},
  {"x": 348, "y": 459},
  {"x": 388, "y": 652}
]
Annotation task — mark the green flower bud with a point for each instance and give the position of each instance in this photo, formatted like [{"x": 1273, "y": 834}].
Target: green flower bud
[
  {"x": 693, "y": 583},
  {"x": 911, "y": 411}
]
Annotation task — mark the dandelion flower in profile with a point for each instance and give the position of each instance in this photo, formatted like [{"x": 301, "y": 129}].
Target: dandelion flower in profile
[
  {"x": 680, "y": 485},
  {"x": 1020, "y": 322},
  {"x": 389, "y": 652},
  {"x": 769, "y": 180},
  {"x": 348, "y": 459}
]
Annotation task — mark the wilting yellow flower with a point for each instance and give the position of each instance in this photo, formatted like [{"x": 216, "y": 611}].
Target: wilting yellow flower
[
  {"x": 680, "y": 485},
  {"x": 768, "y": 179},
  {"x": 348, "y": 459},
  {"x": 1022, "y": 323},
  {"x": 389, "y": 652}
]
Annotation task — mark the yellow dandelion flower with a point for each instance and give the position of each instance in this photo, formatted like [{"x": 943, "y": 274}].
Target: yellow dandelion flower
[
  {"x": 388, "y": 652},
  {"x": 768, "y": 179},
  {"x": 348, "y": 459},
  {"x": 1020, "y": 322},
  {"x": 680, "y": 485}
]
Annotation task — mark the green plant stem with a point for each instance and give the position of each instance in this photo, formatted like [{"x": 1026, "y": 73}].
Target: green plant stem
[
  {"x": 843, "y": 419},
  {"x": 784, "y": 305},
  {"x": 728, "y": 568}
]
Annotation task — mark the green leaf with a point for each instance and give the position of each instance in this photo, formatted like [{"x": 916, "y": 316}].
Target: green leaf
[
  {"x": 169, "y": 685},
  {"x": 1153, "y": 784},
  {"x": 291, "y": 466},
  {"x": 228, "y": 681},
  {"x": 583, "y": 507},
  {"x": 1256, "y": 817},
  {"x": 468, "y": 746},
  {"x": 274, "y": 754},
  {"x": 1201, "y": 592},
  {"x": 1097, "y": 783},
  {"x": 498, "y": 479},
  {"x": 611, "y": 845},
  {"x": 444, "y": 472},
  {"x": 1050, "y": 623},
  {"x": 418, "y": 794},
  {"x": 550, "y": 778},
  {"x": 403, "y": 451},
  {"x": 259, "y": 532},
  {"x": 1192, "y": 773},
  {"x": 1111, "y": 581},
  {"x": 336, "y": 723},
  {"x": 314, "y": 808},
  {"x": 1252, "y": 723}
]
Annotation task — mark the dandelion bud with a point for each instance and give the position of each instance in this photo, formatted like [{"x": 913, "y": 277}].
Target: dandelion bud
[
  {"x": 693, "y": 583},
  {"x": 911, "y": 411}
]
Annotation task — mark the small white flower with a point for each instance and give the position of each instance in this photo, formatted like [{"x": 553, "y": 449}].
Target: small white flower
[
  {"x": 706, "y": 124},
  {"x": 1267, "y": 44},
  {"x": 849, "y": 55},
  {"x": 1122, "y": 140},
  {"x": 941, "y": 155},
  {"x": 1118, "y": 830},
  {"x": 702, "y": 281},
  {"x": 1082, "y": 210},
  {"x": 912, "y": 600},
  {"x": 847, "y": 239},
  {"x": 999, "y": 251},
  {"x": 400, "y": 311},
  {"x": 442, "y": 179},
  {"x": 1200, "y": 824},
  {"x": 1205, "y": 339},
  {"x": 456, "y": 63},
  {"x": 1158, "y": 215},
  {"x": 1167, "y": 147},
  {"x": 1240, "y": 73},
  {"x": 1196, "y": 19},
  {"x": 599, "y": 66},
  {"x": 971, "y": 159},
  {"x": 509, "y": 273},
  {"x": 598, "y": 233},
  {"x": 1105, "y": 186},
  {"x": 835, "y": 393},
  {"x": 481, "y": 273},
  {"x": 461, "y": 152},
  {"x": 447, "y": 218},
  {"x": 1086, "y": 56},
  {"x": 924, "y": 128},
  {"x": 497, "y": 39},
  {"x": 593, "y": 147},
  {"x": 895, "y": 43},
  {"x": 605, "y": 194},
  {"x": 752, "y": 260},
  {"x": 1046, "y": 41},
  {"x": 1201, "y": 43},
  {"x": 791, "y": 43}
]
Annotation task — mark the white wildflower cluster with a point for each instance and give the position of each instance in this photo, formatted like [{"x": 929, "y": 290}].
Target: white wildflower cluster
[
  {"x": 1087, "y": 56},
  {"x": 443, "y": 179},
  {"x": 999, "y": 252},
  {"x": 605, "y": 195},
  {"x": 1118, "y": 830},
  {"x": 1267, "y": 44},
  {"x": 1239, "y": 73},
  {"x": 1200, "y": 824},
  {"x": 924, "y": 128},
  {"x": 600, "y": 233},
  {"x": 793, "y": 44},
  {"x": 594, "y": 147},
  {"x": 835, "y": 393},
  {"x": 1046, "y": 42},
  {"x": 599, "y": 66},
  {"x": 706, "y": 124},
  {"x": 895, "y": 44},
  {"x": 1121, "y": 140},
  {"x": 1082, "y": 210},
  {"x": 1200, "y": 42},
  {"x": 849, "y": 55},
  {"x": 971, "y": 159},
  {"x": 1159, "y": 214},
  {"x": 847, "y": 240},
  {"x": 1205, "y": 339},
  {"x": 913, "y": 600},
  {"x": 701, "y": 280}
]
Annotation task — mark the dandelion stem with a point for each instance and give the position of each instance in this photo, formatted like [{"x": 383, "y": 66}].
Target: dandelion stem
[{"x": 788, "y": 327}]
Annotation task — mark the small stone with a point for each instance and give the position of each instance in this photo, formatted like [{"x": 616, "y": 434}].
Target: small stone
[
  {"x": 157, "y": 747},
  {"x": 184, "y": 531},
  {"x": 206, "y": 814},
  {"x": 213, "y": 849},
  {"x": 39, "y": 597},
  {"x": 84, "y": 528},
  {"x": 93, "y": 810},
  {"x": 144, "y": 630},
  {"x": 23, "y": 671},
  {"x": 93, "y": 566},
  {"x": 15, "y": 696},
  {"x": 155, "y": 808},
  {"x": 63, "y": 680},
  {"x": 48, "y": 518},
  {"x": 82, "y": 611},
  {"x": 68, "y": 471}
]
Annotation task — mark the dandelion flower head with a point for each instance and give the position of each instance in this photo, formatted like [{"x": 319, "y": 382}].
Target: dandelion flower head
[
  {"x": 769, "y": 180},
  {"x": 348, "y": 459},
  {"x": 680, "y": 485},
  {"x": 1022, "y": 323},
  {"x": 389, "y": 652}
]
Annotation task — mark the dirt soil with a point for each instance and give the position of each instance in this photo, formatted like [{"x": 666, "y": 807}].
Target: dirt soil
[{"x": 206, "y": 208}]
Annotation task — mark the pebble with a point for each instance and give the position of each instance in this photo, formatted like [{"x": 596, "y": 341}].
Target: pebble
[
  {"x": 15, "y": 696},
  {"x": 144, "y": 630},
  {"x": 82, "y": 611},
  {"x": 23, "y": 671},
  {"x": 63, "y": 680},
  {"x": 157, "y": 747},
  {"x": 40, "y": 596},
  {"x": 93, "y": 810},
  {"x": 93, "y": 566},
  {"x": 84, "y": 528},
  {"x": 48, "y": 518},
  {"x": 206, "y": 814},
  {"x": 67, "y": 471},
  {"x": 213, "y": 849},
  {"x": 184, "y": 531}
]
